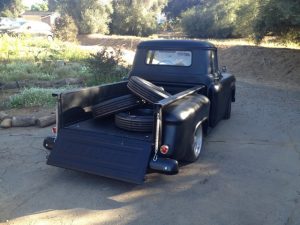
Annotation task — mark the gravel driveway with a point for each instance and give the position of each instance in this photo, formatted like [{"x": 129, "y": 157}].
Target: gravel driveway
[{"x": 249, "y": 174}]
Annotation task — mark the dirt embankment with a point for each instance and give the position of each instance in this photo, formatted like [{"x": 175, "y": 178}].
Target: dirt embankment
[
  {"x": 270, "y": 65},
  {"x": 275, "y": 66}
]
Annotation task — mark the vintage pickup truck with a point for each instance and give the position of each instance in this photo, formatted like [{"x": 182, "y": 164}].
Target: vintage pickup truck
[{"x": 152, "y": 120}]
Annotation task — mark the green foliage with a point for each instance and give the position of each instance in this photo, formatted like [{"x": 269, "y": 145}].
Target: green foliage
[
  {"x": 40, "y": 7},
  {"x": 53, "y": 5},
  {"x": 174, "y": 8},
  {"x": 107, "y": 66},
  {"x": 207, "y": 22},
  {"x": 38, "y": 59},
  {"x": 136, "y": 17},
  {"x": 33, "y": 97},
  {"x": 11, "y": 8},
  {"x": 248, "y": 18},
  {"x": 66, "y": 29},
  {"x": 280, "y": 18},
  {"x": 38, "y": 49},
  {"x": 90, "y": 16}
]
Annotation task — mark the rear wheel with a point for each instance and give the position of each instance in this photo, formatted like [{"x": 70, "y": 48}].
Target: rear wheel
[{"x": 194, "y": 151}]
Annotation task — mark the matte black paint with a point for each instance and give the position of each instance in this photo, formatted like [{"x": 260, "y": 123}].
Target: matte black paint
[{"x": 199, "y": 94}]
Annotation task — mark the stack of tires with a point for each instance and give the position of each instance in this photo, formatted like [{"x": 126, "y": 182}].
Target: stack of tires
[{"x": 132, "y": 111}]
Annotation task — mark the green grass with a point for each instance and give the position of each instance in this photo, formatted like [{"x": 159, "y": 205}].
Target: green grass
[
  {"x": 25, "y": 58},
  {"x": 36, "y": 59},
  {"x": 33, "y": 97},
  {"x": 38, "y": 49}
]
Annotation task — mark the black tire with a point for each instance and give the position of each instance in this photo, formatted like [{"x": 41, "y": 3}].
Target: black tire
[
  {"x": 138, "y": 120},
  {"x": 115, "y": 105},
  {"x": 146, "y": 90},
  {"x": 196, "y": 145},
  {"x": 228, "y": 110}
]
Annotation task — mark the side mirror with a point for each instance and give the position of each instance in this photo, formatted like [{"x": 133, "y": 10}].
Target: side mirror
[{"x": 224, "y": 69}]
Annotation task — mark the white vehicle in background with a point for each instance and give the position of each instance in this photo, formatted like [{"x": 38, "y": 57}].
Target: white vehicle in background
[
  {"x": 32, "y": 28},
  {"x": 9, "y": 23}
]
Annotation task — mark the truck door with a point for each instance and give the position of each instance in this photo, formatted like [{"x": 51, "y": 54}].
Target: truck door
[{"x": 219, "y": 91}]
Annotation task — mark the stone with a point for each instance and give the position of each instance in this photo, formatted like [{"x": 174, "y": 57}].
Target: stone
[
  {"x": 6, "y": 123},
  {"x": 3, "y": 115},
  {"x": 23, "y": 121}
]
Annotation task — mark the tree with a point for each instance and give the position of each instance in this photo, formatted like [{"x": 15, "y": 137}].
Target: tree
[
  {"x": 11, "y": 8},
  {"x": 40, "y": 6},
  {"x": 280, "y": 18},
  {"x": 90, "y": 16},
  {"x": 53, "y": 5},
  {"x": 175, "y": 7},
  {"x": 136, "y": 17},
  {"x": 214, "y": 19},
  {"x": 65, "y": 28}
]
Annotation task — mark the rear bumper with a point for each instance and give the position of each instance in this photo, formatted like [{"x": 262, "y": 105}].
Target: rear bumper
[{"x": 49, "y": 142}]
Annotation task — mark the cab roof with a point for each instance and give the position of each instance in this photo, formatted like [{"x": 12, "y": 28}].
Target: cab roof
[{"x": 176, "y": 44}]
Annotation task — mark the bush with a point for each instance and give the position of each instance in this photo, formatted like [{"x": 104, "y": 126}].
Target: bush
[
  {"x": 66, "y": 29},
  {"x": 107, "y": 66}
]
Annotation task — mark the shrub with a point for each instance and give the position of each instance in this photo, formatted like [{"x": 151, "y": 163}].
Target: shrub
[
  {"x": 107, "y": 66},
  {"x": 66, "y": 29}
]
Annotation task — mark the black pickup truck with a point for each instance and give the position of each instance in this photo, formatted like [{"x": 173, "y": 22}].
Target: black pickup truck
[{"x": 152, "y": 120}]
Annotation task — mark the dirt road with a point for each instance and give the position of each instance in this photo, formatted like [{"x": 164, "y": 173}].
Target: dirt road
[{"x": 249, "y": 173}]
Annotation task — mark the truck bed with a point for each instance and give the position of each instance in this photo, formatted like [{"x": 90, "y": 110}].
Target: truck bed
[{"x": 107, "y": 126}]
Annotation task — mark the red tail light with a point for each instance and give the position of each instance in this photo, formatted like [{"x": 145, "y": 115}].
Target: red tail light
[
  {"x": 54, "y": 130},
  {"x": 164, "y": 149}
]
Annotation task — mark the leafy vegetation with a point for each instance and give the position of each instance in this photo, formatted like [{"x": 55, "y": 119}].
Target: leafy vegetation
[
  {"x": 137, "y": 17},
  {"x": 11, "y": 8},
  {"x": 33, "y": 97},
  {"x": 108, "y": 66},
  {"x": 90, "y": 16},
  {"x": 66, "y": 29},
  {"x": 231, "y": 18},
  {"x": 35, "y": 59}
]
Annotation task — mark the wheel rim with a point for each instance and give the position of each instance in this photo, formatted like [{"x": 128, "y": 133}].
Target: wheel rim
[{"x": 198, "y": 140}]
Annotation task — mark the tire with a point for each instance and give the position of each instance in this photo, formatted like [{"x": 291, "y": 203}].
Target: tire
[
  {"x": 138, "y": 120},
  {"x": 146, "y": 90},
  {"x": 228, "y": 110},
  {"x": 194, "y": 151},
  {"x": 115, "y": 105}
]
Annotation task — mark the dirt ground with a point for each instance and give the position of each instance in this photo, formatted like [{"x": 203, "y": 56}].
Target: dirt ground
[{"x": 248, "y": 173}]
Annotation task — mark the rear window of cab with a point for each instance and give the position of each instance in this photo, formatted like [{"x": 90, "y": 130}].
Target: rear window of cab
[{"x": 169, "y": 58}]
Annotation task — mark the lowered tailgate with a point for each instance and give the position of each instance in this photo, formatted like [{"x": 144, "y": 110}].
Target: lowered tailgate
[{"x": 117, "y": 157}]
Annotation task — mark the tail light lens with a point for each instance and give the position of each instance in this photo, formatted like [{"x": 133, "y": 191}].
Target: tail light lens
[
  {"x": 164, "y": 149},
  {"x": 54, "y": 130}
]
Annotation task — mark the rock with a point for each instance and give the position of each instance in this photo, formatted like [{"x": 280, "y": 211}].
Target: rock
[
  {"x": 23, "y": 121},
  {"x": 3, "y": 115},
  {"x": 46, "y": 120},
  {"x": 6, "y": 123}
]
